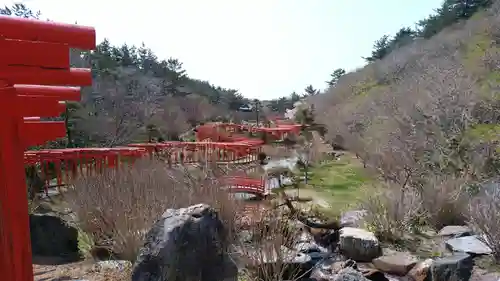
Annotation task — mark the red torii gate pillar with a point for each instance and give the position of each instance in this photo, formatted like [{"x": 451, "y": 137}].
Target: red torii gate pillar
[{"x": 31, "y": 52}]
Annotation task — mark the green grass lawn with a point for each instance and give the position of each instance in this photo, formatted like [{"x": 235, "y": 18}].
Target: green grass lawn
[{"x": 339, "y": 181}]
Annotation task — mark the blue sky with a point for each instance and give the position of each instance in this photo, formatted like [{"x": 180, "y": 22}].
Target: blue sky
[{"x": 264, "y": 48}]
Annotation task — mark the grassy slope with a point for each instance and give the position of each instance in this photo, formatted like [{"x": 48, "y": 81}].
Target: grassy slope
[
  {"x": 443, "y": 81},
  {"x": 446, "y": 77},
  {"x": 337, "y": 183}
]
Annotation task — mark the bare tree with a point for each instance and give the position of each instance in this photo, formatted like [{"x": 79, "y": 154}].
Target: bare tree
[
  {"x": 196, "y": 108},
  {"x": 170, "y": 119},
  {"x": 123, "y": 106},
  {"x": 308, "y": 154}
]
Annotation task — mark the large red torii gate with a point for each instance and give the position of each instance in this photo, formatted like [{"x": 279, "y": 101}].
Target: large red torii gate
[{"x": 37, "y": 53}]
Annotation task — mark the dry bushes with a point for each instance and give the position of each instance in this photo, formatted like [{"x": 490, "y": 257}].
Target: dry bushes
[
  {"x": 483, "y": 213},
  {"x": 118, "y": 207},
  {"x": 445, "y": 200},
  {"x": 393, "y": 211},
  {"x": 265, "y": 249}
]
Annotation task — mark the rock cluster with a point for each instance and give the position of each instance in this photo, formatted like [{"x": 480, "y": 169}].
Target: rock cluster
[
  {"x": 190, "y": 244},
  {"x": 365, "y": 256},
  {"x": 354, "y": 255}
]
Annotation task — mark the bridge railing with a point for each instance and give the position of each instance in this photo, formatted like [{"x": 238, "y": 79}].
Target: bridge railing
[{"x": 33, "y": 53}]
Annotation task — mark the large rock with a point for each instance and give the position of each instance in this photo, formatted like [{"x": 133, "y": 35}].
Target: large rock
[
  {"x": 457, "y": 267},
  {"x": 185, "y": 244},
  {"x": 455, "y": 231},
  {"x": 469, "y": 244},
  {"x": 52, "y": 236},
  {"x": 420, "y": 271},
  {"x": 395, "y": 263},
  {"x": 359, "y": 244}
]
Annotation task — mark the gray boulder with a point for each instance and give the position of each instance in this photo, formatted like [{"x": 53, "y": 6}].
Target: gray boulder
[
  {"x": 455, "y": 231},
  {"x": 457, "y": 267},
  {"x": 469, "y": 244},
  {"x": 185, "y": 244},
  {"x": 51, "y": 236},
  {"x": 398, "y": 263},
  {"x": 359, "y": 244},
  {"x": 420, "y": 271}
]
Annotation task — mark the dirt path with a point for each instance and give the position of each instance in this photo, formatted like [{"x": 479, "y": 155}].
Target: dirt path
[{"x": 78, "y": 271}]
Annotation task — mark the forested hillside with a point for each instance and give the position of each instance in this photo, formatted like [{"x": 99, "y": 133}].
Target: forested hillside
[
  {"x": 136, "y": 95},
  {"x": 449, "y": 13},
  {"x": 425, "y": 111}
]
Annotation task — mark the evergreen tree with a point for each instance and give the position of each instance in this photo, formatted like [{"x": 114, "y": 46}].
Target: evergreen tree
[
  {"x": 335, "y": 76},
  {"x": 310, "y": 91}
]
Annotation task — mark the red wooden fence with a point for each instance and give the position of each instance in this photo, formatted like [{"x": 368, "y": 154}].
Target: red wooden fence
[{"x": 31, "y": 52}]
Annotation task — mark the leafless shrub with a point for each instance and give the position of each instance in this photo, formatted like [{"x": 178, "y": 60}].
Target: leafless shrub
[
  {"x": 392, "y": 211},
  {"x": 483, "y": 213},
  {"x": 444, "y": 200},
  {"x": 118, "y": 207},
  {"x": 170, "y": 119},
  {"x": 265, "y": 249}
]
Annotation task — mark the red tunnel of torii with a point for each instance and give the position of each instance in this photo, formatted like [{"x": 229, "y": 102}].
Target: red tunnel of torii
[
  {"x": 221, "y": 151},
  {"x": 71, "y": 162},
  {"x": 223, "y": 132}
]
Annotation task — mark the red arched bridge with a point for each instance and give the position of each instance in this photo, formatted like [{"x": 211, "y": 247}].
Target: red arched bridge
[{"x": 34, "y": 76}]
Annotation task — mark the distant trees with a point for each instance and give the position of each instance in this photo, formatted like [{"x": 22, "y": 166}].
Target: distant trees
[
  {"x": 450, "y": 12},
  {"x": 282, "y": 104}
]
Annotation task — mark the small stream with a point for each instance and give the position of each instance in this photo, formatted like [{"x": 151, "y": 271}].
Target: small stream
[{"x": 289, "y": 163}]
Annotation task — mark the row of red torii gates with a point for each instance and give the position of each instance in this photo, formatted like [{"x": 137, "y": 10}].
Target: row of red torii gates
[
  {"x": 35, "y": 75},
  {"x": 68, "y": 163}
]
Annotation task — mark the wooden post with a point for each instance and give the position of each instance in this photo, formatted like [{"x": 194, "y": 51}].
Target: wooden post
[{"x": 15, "y": 247}]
